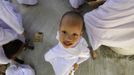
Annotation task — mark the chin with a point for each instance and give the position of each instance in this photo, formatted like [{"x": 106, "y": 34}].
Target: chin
[{"x": 68, "y": 46}]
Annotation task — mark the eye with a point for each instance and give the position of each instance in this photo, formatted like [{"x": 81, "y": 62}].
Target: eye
[
  {"x": 64, "y": 32},
  {"x": 74, "y": 34}
]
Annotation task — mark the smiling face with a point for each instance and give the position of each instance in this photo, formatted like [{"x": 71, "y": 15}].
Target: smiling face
[{"x": 70, "y": 31}]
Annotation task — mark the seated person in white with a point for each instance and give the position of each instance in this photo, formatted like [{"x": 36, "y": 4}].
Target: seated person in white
[
  {"x": 17, "y": 69},
  {"x": 11, "y": 32},
  {"x": 112, "y": 24},
  {"x": 28, "y": 2},
  {"x": 72, "y": 48}
]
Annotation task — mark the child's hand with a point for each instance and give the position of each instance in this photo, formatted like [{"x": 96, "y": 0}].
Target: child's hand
[{"x": 76, "y": 66}]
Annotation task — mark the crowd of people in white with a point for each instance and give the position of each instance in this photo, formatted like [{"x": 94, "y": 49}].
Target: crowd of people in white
[{"x": 111, "y": 24}]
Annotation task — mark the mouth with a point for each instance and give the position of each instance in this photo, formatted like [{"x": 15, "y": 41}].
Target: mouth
[{"x": 67, "y": 43}]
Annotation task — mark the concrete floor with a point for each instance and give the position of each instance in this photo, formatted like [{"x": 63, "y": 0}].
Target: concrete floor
[{"x": 45, "y": 17}]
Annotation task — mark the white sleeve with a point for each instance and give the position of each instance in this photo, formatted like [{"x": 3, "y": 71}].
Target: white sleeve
[
  {"x": 85, "y": 52},
  {"x": 3, "y": 58},
  {"x": 83, "y": 56},
  {"x": 18, "y": 69},
  {"x": 48, "y": 56},
  {"x": 27, "y": 69},
  {"x": 11, "y": 69},
  {"x": 6, "y": 35},
  {"x": 10, "y": 16},
  {"x": 28, "y": 2}
]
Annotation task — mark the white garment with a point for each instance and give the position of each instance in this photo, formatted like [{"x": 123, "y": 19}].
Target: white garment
[
  {"x": 10, "y": 23},
  {"x": 6, "y": 35},
  {"x": 28, "y": 2},
  {"x": 112, "y": 24},
  {"x": 10, "y": 16},
  {"x": 62, "y": 59},
  {"x": 3, "y": 58},
  {"x": 19, "y": 70},
  {"x": 76, "y": 3},
  {"x": 10, "y": 27}
]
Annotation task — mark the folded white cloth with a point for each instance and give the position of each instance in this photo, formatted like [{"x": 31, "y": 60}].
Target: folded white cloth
[
  {"x": 3, "y": 58},
  {"x": 112, "y": 24},
  {"x": 10, "y": 23},
  {"x": 11, "y": 16},
  {"x": 28, "y": 2},
  {"x": 19, "y": 70}
]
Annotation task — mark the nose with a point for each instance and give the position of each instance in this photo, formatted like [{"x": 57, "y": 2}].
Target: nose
[{"x": 69, "y": 38}]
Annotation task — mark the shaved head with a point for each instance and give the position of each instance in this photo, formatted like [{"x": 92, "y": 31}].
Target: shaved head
[
  {"x": 71, "y": 28},
  {"x": 74, "y": 17}
]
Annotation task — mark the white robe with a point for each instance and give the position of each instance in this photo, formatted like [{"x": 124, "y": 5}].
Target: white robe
[
  {"x": 76, "y": 3},
  {"x": 28, "y": 2},
  {"x": 19, "y": 70},
  {"x": 63, "y": 59},
  {"x": 112, "y": 24},
  {"x": 10, "y": 27},
  {"x": 11, "y": 16},
  {"x": 10, "y": 23},
  {"x": 6, "y": 35},
  {"x": 3, "y": 58}
]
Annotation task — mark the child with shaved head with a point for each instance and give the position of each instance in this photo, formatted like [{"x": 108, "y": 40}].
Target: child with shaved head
[{"x": 72, "y": 48}]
